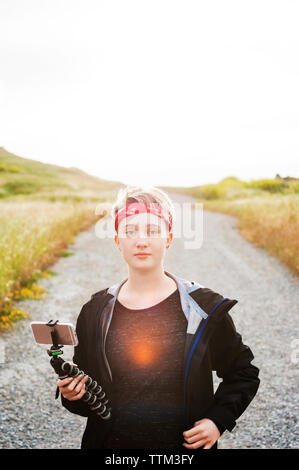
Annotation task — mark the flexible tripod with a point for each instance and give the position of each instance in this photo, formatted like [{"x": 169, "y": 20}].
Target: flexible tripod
[{"x": 94, "y": 393}]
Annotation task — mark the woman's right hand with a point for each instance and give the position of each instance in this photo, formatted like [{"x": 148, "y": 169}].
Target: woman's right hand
[{"x": 72, "y": 388}]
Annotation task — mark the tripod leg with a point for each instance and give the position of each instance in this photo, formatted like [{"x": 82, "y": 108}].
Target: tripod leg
[{"x": 94, "y": 393}]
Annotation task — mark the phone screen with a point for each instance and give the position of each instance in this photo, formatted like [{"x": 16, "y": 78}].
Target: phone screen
[{"x": 66, "y": 334}]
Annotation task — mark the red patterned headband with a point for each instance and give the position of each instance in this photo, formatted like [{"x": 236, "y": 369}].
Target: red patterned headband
[{"x": 139, "y": 207}]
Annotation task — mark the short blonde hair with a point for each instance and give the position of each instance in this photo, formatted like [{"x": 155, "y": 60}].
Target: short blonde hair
[{"x": 146, "y": 194}]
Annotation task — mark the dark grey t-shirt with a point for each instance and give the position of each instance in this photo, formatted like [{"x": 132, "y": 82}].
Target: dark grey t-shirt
[{"x": 145, "y": 350}]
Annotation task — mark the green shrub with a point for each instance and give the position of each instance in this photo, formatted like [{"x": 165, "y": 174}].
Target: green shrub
[
  {"x": 9, "y": 168},
  {"x": 271, "y": 185},
  {"x": 294, "y": 187},
  {"x": 22, "y": 186},
  {"x": 212, "y": 191},
  {"x": 232, "y": 181}
]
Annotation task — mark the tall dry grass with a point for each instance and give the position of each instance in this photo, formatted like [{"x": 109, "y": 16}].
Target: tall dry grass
[
  {"x": 270, "y": 222},
  {"x": 33, "y": 235}
]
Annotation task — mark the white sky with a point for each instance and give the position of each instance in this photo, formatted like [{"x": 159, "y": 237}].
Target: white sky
[{"x": 152, "y": 92}]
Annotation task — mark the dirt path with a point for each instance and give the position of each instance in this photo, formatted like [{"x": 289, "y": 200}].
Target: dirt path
[{"x": 265, "y": 315}]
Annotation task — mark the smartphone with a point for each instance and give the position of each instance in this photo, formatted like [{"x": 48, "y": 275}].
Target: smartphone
[{"x": 65, "y": 333}]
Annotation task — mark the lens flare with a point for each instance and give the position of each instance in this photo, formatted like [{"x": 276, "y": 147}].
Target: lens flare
[{"x": 143, "y": 353}]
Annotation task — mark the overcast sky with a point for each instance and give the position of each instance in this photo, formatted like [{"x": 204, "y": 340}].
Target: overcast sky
[{"x": 152, "y": 92}]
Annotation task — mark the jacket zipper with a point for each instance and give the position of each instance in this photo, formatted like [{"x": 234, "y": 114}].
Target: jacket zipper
[
  {"x": 193, "y": 348},
  {"x": 103, "y": 342},
  {"x": 104, "y": 352}
]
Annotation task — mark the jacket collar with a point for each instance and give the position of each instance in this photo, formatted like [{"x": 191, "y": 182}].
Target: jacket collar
[{"x": 193, "y": 312}]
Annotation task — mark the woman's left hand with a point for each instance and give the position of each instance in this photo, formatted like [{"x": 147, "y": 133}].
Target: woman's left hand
[{"x": 204, "y": 433}]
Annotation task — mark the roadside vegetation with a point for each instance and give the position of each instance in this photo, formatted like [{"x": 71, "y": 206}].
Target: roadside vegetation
[
  {"x": 42, "y": 208},
  {"x": 267, "y": 212}
]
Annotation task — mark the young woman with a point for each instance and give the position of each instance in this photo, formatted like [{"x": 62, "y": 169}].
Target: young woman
[{"x": 152, "y": 342}]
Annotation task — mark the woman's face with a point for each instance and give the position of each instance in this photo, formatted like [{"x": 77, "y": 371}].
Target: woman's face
[{"x": 144, "y": 232}]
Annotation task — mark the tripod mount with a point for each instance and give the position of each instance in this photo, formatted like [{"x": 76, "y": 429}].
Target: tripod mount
[{"x": 94, "y": 396}]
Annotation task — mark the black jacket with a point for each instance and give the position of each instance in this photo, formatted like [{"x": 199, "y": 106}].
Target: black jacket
[{"x": 212, "y": 343}]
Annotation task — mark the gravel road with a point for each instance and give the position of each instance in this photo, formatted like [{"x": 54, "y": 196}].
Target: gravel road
[{"x": 266, "y": 316}]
